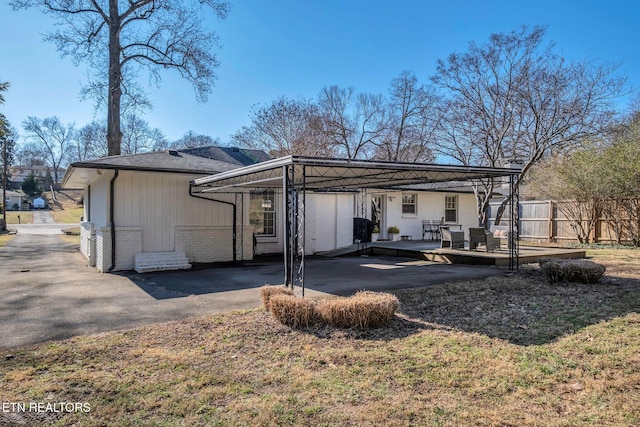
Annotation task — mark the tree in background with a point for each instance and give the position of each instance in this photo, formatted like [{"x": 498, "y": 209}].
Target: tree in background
[
  {"x": 139, "y": 137},
  {"x": 8, "y": 142},
  {"x": 285, "y": 127},
  {"x": 622, "y": 173},
  {"x": 577, "y": 182},
  {"x": 191, "y": 139},
  {"x": 31, "y": 185},
  {"x": 412, "y": 119},
  {"x": 353, "y": 124},
  {"x": 118, "y": 39},
  {"x": 90, "y": 142},
  {"x": 599, "y": 181},
  {"x": 51, "y": 139},
  {"x": 5, "y": 137},
  {"x": 513, "y": 100}
]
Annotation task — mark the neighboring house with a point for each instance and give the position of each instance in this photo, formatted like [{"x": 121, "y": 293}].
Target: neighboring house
[
  {"x": 14, "y": 200},
  {"x": 17, "y": 174}
]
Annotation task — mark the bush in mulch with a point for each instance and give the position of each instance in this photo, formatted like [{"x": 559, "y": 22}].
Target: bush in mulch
[
  {"x": 363, "y": 310},
  {"x": 269, "y": 291},
  {"x": 293, "y": 311},
  {"x": 572, "y": 270}
]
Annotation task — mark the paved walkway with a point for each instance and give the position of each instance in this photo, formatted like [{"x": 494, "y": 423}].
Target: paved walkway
[
  {"x": 43, "y": 224},
  {"x": 47, "y": 291},
  {"x": 42, "y": 217}
]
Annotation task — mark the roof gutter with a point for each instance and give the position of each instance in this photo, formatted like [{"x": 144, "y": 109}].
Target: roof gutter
[
  {"x": 235, "y": 225},
  {"x": 112, "y": 187}
]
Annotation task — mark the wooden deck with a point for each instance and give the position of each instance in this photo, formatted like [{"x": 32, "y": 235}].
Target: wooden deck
[{"x": 431, "y": 251}]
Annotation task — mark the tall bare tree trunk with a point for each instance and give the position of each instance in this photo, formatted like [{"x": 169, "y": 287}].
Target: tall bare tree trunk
[{"x": 114, "y": 134}]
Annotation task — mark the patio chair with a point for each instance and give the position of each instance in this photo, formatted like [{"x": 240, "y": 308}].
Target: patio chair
[
  {"x": 432, "y": 227},
  {"x": 453, "y": 239},
  {"x": 500, "y": 233},
  {"x": 480, "y": 236}
]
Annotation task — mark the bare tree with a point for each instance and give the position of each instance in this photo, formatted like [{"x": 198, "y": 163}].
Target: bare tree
[
  {"x": 353, "y": 123},
  {"x": 413, "y": 119},
  {"x": 116, "y": 37},
  {"x": 192, "y": 139},
  {"x": 577, "y": 181},
  {"x": 513, "y": 100},
  {"x": 7, "y": 138},
  {"x": 285, "y": 127},
  {"x": 53, "y": 139},
  {"x": 139, "y": 137},
  {"x": 91, "y": 142}
]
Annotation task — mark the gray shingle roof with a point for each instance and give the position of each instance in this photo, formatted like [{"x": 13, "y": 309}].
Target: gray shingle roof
[
  {"x": 161, "y": 161},
  {"x": 237, "y": 156}
]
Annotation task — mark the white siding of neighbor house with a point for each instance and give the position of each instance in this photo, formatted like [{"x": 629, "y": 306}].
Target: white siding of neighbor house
[{"x": 430, "y": 206}]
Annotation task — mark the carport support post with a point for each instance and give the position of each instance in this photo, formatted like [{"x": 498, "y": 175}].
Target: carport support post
[
  {"x": 286, "y": 190},
  {"x": 514, "y": 224},
  {"x": 294, "y": 233}
]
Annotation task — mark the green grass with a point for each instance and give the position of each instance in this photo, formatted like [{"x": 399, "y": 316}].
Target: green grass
[{"x": 508, "y": 350}]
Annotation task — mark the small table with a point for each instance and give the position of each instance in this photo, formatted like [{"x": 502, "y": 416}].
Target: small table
[{"x": 448, "y": 226}]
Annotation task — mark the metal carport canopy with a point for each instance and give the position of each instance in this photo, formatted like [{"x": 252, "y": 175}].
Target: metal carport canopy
[
  {"x": 326, "y": 173},
  {"x": 297, "y": 174}
]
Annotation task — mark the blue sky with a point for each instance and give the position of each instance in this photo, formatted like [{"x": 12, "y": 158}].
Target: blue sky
[{"x": 294, "y": 48}]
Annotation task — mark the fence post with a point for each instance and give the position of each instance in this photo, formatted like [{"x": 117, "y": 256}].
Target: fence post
[{"x": 551, "y": 220}]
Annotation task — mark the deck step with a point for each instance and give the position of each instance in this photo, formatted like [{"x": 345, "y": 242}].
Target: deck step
[{"x": 144, "y": 262}]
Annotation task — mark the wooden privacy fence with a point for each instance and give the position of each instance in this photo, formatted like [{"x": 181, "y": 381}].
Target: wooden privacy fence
[{"x": 543, "y": 220}]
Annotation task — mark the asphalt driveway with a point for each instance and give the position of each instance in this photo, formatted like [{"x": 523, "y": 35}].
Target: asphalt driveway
[{"x": 48, "y": 292}]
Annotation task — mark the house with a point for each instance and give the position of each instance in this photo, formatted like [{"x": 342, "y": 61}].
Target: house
[
  {"x": 15, "y": 200},
  {"x": 165, "y": 210},
  {"x": 142, "y": 203},
  {"x": 17, "y": 174},
  {"x": 303, "y": 180}
]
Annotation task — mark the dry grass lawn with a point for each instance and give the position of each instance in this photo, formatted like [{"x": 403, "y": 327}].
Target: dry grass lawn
[
  {"x": 4, "y": 238},
  {"x": 69, "y": 215},
  {"x": 25, "y": 217},
  {"x": 508, "y": 350}
]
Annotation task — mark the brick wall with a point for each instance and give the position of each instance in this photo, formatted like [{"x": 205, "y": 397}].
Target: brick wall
[
  {"x": 128, "y": 243},
  {"x": 213, "y": 243}
]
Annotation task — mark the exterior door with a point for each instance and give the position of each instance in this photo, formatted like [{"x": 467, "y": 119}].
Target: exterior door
[
  {"x": 326, "y": 222},
  {"x": 377, "y": 214}
]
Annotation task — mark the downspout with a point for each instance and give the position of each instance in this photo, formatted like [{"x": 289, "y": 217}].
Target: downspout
[
  {"x": 234, "y": 216},
  {"x": 112, "y": 222}
]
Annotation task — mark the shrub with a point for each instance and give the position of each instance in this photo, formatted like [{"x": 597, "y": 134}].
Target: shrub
[
  {"x": 393, "y": 230},
  {"x": 293, "y": 311},
  {"x": 268, "y": 291},
  {"x": 363, "y": 310},
  {"x": 573, "y": 270}
]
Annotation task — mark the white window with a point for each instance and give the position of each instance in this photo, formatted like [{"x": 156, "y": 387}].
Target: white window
[
  {"x": 262, "y": 212},
  {"x": 409, "y": 204},
  {"x": 450, "y": 208}
]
